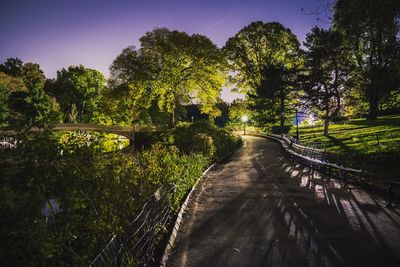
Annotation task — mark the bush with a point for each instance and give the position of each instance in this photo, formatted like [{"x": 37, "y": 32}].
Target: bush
[
  {"x": 224, "y": 143},
  {"x": 98, "y": 195},
  {"x": 280, "y": 130}
]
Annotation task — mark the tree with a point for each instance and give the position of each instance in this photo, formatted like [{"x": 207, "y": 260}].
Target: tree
[
  {"x": 37, "y": 107},
  {"x": 130, "y": 87},
  {"x": 80, "y": 91},
  {"x": 276, "y": 95},
  {"x": 372, "y": 29},
  {"x": 237, "y": 109},
  {"x": 264, "y": 58},
  {"x": 8, "y": 85},
  {"x": 171, "y": 68},
  {"x": 328, "y": 67},
  {"x": 29, "y": 105},
  {"x": 257, "y": 46},
  {"x": 12, "y": 67}
]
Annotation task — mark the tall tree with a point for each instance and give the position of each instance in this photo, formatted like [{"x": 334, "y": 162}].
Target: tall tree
[
  {"x": 130, "y": 87},
  {"x": 12, "y": 67},
  {"x": 327, "y": 71},
  {"x": 372, "y": 28},
  {"x": 171, "y": 68},
  {"x": 8, "y": 85},
  {"x": 39, "y": 107},
  {"x": 81, "y": 91},
  {"x": 263, "y": 58},
  {"x": 29, "y": 106}
]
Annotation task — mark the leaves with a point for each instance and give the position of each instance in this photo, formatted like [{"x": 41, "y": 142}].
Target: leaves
[
  {"x": 327, "y": 75},
  {"x": 170, "y": 69},
  {"x": 256, "y": 46},
  {"x": 372, "y": 30},
  {"x": 98, "y": 194},
  {"x": 80, "y": 91}
]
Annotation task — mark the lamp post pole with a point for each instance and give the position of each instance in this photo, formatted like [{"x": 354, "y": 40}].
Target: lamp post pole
[{"x": 297, "y": 126}]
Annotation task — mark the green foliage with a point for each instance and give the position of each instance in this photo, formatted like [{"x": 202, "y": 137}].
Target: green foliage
[
  {"x": 8, "y": 85},
  {"x": 80, "y": 91},
  {"x": 28, "y": 105},
  {"x": 280, "y": 130},
  {"x": 206, "y": 138},
  {"x": 12, "y": 67},
  {"x": 259, "y": 45},
  {"x": 98, "y": 195},
  {"x": 170, "y": 69},
  {"x": 275, "y": 98},
  {"x": 263, "y": 59},
  {"x": 327, "y": 73},
  {"x": 237, "y": 109},
  {"x": 372, "y": 29},
  {"x": 190, "y": 142}
]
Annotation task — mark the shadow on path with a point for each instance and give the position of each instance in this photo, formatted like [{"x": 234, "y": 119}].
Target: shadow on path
[{"x": 260, "y": 209}]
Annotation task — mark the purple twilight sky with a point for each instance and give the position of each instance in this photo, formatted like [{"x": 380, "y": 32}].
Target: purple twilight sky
[{"x": 60, "y": 33}]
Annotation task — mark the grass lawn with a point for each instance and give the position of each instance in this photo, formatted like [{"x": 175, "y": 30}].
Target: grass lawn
[{"x": 370, "y": 145}]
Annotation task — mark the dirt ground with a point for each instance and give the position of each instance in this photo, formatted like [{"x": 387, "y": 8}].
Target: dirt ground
[{"x": 261, "y": 209}]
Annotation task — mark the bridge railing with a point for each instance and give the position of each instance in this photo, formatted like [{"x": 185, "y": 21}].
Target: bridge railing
[{"x": 109, "y": 128}]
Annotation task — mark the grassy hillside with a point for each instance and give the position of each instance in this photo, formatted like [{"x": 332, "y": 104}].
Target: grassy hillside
[{"x": 370, "y": 145}]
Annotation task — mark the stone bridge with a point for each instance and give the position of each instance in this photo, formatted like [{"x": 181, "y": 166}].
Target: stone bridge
[{"x": 127, "y": 131}]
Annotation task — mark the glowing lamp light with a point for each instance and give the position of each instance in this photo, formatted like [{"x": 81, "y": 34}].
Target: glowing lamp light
[{"x": 245, "y": 118}]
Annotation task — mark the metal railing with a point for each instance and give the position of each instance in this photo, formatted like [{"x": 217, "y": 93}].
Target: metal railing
[
  {"x": 316, "y": 158},
  {"x": 137, "y": 245}
]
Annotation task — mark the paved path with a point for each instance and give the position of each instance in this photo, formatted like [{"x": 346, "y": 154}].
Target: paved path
[{"x": 260, "y": 209}]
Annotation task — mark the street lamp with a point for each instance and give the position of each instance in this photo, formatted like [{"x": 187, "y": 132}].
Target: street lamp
[{"x": 244, "y": 120}]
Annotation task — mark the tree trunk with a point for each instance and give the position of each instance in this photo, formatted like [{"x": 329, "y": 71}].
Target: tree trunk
[
  {"x": 373, "y": 106},
  {"x": 327, "y": 117},
  {"x": 282, "y": 107},
  {"x": 326, "y": 127},
  {"x": 173, "y": 118}
]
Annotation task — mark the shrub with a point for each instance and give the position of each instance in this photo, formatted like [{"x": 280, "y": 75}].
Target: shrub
[
  {"x": 280, "y": 130},
  {"x": 99, "y": 194},
  {"x": 222, "y": 140}
]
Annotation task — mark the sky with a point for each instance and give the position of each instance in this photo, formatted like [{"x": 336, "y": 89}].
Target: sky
[{"x": 60, "y": 33}]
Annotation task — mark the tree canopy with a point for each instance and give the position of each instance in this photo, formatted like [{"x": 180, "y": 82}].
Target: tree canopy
[
  {"x": 28, "y": 105},
  {"x": 372, "y": 29},
  {"x": 171, "y": 68},
  {"x": 80, "y": 92},
  {"x": 327, "y": 73},
  {"x": 263, "y": 59},
  {"x": 257, "y": 46}
]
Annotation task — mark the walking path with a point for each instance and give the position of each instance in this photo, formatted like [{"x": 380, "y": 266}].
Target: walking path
[{"x": 261, "y": 209}]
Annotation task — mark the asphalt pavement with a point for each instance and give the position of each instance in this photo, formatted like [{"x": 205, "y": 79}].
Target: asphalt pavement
[{"x": 262, "y": 209}]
